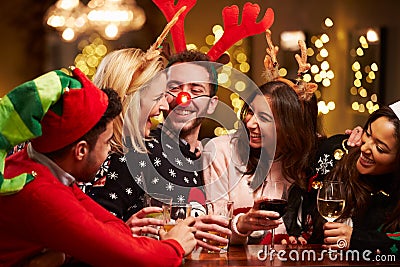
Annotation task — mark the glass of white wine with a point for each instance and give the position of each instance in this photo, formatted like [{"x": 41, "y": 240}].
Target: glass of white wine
[{"x": 331, "y": 200}]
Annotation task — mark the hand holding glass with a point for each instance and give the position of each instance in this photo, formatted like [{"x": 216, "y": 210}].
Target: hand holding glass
[
  {"x": 275, "y": 194},
  {"x": 177, "y": 212},
  {"x": 224, "y": 209}
]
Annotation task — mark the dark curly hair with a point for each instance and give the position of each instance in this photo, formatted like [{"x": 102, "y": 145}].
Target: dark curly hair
[{"x": 198, "y": 58}]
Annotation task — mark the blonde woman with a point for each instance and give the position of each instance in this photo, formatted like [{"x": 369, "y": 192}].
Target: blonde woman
[{"x": 138, "y": 79}]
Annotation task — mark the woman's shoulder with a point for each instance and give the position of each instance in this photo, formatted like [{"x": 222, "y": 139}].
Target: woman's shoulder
[{"x": 334, "y": 147}]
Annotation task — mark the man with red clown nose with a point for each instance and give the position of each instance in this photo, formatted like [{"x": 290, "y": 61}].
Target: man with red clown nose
[{"x": 45, "y": 219}]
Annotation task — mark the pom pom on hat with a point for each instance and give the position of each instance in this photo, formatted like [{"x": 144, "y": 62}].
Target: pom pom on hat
[{"x": 24, "y": 107}]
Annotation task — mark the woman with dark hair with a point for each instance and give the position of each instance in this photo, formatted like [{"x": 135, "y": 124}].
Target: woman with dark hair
[
  {"x": 241, "y": 172},
  {"x": 371, "y": 178}
]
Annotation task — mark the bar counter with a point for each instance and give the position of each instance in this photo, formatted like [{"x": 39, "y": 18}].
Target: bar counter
[{"x": 290, "y": 255}]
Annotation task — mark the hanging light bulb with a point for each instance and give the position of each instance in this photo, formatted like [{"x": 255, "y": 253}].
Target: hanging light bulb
[
  {"x": 110, "y": 18},
  {"x": 114, "y": 17},
  {"x": 69, "y": 17}
]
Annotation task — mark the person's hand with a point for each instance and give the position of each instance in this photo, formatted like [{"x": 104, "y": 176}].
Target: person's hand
[
  {"x": 294, "y": 241},
  {"x": 337, "y": 235},
  {"x": 183, "y": 233},
  {"x": 256, "y": 219},
  {"x": 140, "y": 224},
  {"x": 213, "y": 223},
  {"x": 48, "y": 258},
  {"x": 355, "y": 136}
]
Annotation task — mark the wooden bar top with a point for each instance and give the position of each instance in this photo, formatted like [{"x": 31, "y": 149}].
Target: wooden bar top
[{"x": 291, "y": 255}]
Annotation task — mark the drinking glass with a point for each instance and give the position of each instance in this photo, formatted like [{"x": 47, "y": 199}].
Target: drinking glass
[
  {"x": 177, "y": 212},
  {"x": 274, "y": 199},
  {"x": 223, "y": 208},
  {"x": 331, "y": 200},
  {"x": 157, "y": 200}
]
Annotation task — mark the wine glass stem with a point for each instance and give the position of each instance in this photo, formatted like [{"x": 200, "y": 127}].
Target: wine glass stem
[{"x": 273, "y": 238}]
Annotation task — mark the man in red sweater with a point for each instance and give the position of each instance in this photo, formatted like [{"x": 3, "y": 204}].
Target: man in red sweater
[{"x": 49, "y": 217}]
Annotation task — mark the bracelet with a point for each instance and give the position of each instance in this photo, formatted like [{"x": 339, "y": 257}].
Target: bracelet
[{"x": 234, "y": 227}]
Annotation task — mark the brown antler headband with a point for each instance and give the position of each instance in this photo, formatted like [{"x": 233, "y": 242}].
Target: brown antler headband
[
  {"x": 154, "y": 50},
  {"x": 303, "y": 89}
]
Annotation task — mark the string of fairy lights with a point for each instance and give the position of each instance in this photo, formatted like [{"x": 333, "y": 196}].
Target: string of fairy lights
[{"x": 365, "y": 85}]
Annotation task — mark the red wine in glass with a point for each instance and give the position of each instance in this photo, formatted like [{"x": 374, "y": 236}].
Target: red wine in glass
[{"x": 277, "y": 205}]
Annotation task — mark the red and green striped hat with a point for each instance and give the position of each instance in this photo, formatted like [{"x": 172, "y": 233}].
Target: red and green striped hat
[{"x": 52, "y": 111}]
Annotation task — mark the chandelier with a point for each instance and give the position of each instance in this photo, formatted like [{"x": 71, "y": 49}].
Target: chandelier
[{"x": 110, "y": 18}]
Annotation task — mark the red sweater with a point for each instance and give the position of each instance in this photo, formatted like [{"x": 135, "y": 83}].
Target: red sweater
[{"x": 48, "y": 214}]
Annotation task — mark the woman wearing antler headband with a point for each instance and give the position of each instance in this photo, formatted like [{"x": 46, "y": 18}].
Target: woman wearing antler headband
[
  {"x": 371, "y": 177},
  {"x": 138, "y": 78},
  {"x": 296, "y": 141}
]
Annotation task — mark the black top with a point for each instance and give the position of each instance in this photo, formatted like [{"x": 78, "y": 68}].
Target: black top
[
  {"x": 168, "y": 168},
  {"x": 367, "y": 225}
]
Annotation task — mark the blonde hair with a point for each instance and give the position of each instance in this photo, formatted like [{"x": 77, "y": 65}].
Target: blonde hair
[{"x": 125, "y": 71}]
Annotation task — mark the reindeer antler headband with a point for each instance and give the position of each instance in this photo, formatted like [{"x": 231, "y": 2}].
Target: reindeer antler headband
[
  {"x": 154, "y": 50},
  {"x": 233, "y": 32},
  {"x": 303, "y": 89}
]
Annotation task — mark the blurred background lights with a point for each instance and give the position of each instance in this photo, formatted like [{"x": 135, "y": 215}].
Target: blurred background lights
[
  {"x": 314, "y": 69},
  {"x": 364, "y": 86},
  {"x": 324, "y": 108},
  {"x": 289, "y": 40},
  {"x": 324, "y": 38},
  {"x": 222, "y": 78},
  {"x": 328, "y": 22},
  {"x": 324, "y": 52},
  {"x": 356, "y": 66},
  {"x": 240, "y": 86},
  {"x": 325, "y": 65},
  {"x": 110, "y": 18},
  {"x": 359, "y": 52},
  {"x": 372, "y": 36},
  {"x": 374, "y": 67},
  {"x": 92, "y": 52},
  {"x": 282, "y": 72}
]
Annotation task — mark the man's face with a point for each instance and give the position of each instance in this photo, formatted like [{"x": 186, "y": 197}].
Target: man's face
[
  {"x": 195, "y": 80},
  {"x": 96, "y": 155}
]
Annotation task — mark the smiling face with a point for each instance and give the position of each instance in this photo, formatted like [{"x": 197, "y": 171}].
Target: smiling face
[
  {"x": 260, "y": 123},
  {"x": 152, "y": 102},
  {"x": 194, "y": 80},
  {"x": 378, "y": 149}
]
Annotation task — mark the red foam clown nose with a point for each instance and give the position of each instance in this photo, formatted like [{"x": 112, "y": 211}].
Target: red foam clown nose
[{"x": 183, "y": 99}]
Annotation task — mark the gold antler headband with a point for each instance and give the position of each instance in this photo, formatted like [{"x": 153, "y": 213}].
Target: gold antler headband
[
  {"x": 154, "y": 50},
  {"x": 303, "y": 89}
]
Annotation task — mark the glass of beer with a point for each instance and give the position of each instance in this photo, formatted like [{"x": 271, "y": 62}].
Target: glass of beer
[
  {"x": 222, "y": 208},
  {"x": 157, "y": 200},
  {"x": 174, "y": 214}
]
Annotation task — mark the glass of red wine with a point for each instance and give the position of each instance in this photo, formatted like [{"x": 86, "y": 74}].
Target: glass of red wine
[{"x": 274, "y": 194}]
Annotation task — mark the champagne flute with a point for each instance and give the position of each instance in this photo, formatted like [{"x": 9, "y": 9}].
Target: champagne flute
[
  {"x": 331, "y": 200},
  {"x": 276, "y": 200}
]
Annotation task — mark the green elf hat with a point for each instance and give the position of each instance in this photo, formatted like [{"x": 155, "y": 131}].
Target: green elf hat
[{"x": 48, "y": 111}]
